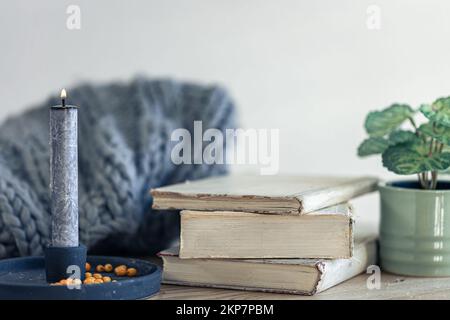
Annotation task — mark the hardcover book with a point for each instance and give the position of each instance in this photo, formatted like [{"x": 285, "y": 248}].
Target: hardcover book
[
  {"x": 262, "y": 194},
  {"x": 296, "y": 276},
  {"x": 325, "y": 233}
]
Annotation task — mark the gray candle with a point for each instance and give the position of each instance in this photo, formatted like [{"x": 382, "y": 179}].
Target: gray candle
[{"x": 64, "y": 173}]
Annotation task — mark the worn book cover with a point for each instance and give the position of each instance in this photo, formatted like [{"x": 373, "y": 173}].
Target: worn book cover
[
  {"x": 288, "y": 194},
  {"x": 296, "y": 276}
]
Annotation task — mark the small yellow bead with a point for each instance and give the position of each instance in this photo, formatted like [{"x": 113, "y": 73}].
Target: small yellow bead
[{"x": 108, "y": 267}]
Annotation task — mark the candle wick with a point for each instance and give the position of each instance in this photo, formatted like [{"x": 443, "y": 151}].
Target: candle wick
[{"x": 63, "y": 97}]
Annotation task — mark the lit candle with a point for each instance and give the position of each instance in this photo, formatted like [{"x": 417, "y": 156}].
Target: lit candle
[{"x": 64, "y": 173}]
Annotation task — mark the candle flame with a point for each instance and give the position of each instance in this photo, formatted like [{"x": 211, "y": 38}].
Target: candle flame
[{"x": 63, "y": 94}]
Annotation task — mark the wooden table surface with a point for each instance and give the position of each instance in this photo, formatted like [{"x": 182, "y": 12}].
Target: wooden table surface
[{"x": 392, "y": 287}]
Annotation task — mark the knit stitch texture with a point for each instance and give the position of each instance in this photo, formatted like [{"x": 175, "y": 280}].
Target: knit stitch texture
[{"x": 124, "y": 150}]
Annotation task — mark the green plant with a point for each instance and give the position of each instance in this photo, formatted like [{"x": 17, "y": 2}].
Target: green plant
[{"x": 423, "y": 150}]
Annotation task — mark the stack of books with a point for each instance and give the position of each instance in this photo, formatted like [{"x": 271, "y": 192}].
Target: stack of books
[{"x": 287, "y": 234}]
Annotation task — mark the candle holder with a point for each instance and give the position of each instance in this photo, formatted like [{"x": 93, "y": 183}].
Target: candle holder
[
  {"x": 24, "y": 278},
  {"x": 39, "y": 277},
  {"x": 62, "y": 261}
]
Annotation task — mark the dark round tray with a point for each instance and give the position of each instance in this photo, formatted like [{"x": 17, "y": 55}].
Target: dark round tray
[{"x": 24, "y": 278}]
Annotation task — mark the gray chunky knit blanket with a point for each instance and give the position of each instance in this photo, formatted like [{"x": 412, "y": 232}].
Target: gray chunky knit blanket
[{"x": 124, "y": 150}]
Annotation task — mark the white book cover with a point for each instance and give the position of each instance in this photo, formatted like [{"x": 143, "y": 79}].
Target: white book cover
[{"x": 262, "y": 194}]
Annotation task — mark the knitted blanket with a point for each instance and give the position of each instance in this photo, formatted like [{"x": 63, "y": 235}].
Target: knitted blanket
[{"x": 124, "y": 150}]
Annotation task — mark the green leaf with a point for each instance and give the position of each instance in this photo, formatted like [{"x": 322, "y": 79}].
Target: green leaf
[
  {"x": 401, "y": 136},
  {"x": 412, "y": 157},
  {"x": 373, "y": 145},
  {"x": 380, "y": 123},
  {"x": 438, "y": 111},
  {"x": 377, "y": 145},
  {"x": 439, "y": 132}
]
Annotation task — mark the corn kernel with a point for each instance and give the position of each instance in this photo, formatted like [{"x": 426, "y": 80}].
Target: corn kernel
[
  {"x": 108, "y": 267},
  {"x": 106, "y": 279},
  {"x": 97, "y": 276}
]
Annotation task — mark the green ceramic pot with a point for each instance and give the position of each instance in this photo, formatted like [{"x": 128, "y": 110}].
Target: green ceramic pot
[{"x": 415, "y": 229}]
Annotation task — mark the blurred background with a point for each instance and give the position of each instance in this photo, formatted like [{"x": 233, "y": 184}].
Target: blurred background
[{"x": 313, "y": 69}]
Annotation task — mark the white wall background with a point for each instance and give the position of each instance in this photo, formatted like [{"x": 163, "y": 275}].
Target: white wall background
[{"x": 311, "y": 68}]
